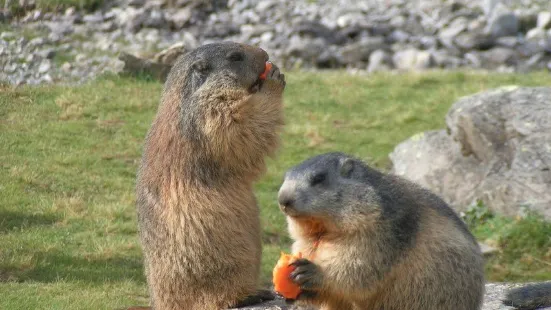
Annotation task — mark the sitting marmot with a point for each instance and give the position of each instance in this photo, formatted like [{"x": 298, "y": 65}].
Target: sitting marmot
[{"x": 376, "y": 241}]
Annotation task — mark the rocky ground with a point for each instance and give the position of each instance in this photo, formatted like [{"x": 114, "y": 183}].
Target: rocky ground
[
  {"x": 74, "y": 46},
  {"x": 495, "y": 292}
]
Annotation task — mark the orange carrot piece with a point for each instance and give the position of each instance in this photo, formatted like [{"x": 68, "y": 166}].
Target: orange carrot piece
[
  {"x": 267, "y": 69},
  {"x": 282, "y": 284}
]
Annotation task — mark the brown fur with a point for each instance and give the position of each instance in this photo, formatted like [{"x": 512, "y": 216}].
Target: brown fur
[
  {"x": 199, "y": 221},
  {"x": 354, "y": 267}
]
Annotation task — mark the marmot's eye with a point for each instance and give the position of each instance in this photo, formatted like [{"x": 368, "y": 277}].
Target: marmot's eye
[
  {"x": 318, "y": 178},
  {"x": 236, "y": 56},
  {"x": 200, "y": 65}
]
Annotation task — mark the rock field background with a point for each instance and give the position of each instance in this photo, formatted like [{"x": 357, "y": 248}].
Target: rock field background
[{"x": 72, "y": 46}]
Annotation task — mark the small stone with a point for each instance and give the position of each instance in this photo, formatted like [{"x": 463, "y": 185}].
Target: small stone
[
  {"x": 379, "y": 60},
  {"x": 45, "y": 65},
  {"x": 47, "y": 78},
  {"x": 444, "y": 59},
  {"x": 503, "y": 23},
  {"x": 535, "y": 34},
  {"x": 473, "y": 58},
  {"x": 448, "y": 34},
  {"x": 428, "y": 42},
  {"x": 10, "y": 68},
  {"x": 507, "y": 41},
  {"x": 267, "y": 37},
  {"x": 413, "y": 59},
  {"x": 93, "y": 18},
  {"x": 360, "y": 51},
  {"x": 181, "y": 17},
  {"x": 47, "y": 53},
  {"x": 136, "y": 3},
  {"x": 265, "y": 5},
  {"x": 486, "y": 249},
  {"x": 500, "y": 56},
  {"x": 473, "y": 40},
  {"x": 80, "y": 58},
  {"x": 70, "y": 11},
  {"x": 544, "y": 20},
  {"x": 66, "y": 67},
  {"x": 37, "y": 42},
  {"x": 107, "y": 26},
  {"x": 399, "y": 36}
]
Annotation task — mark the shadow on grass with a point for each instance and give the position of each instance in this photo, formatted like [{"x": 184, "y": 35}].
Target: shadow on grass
[
  {"x": 10, "y": 220},
  {"x": 52, "y": 267}
]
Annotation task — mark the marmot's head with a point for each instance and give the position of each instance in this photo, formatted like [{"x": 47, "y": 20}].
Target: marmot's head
[
  {"x": 333, "y": 190},
  {"x": 228, "y": 115},
  {"x": 220, "y": 65}
]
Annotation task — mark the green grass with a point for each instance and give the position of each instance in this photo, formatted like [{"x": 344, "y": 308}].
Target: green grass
[
  {"x": 69, "y": 157},
  {"x": 523, "y": 243}
]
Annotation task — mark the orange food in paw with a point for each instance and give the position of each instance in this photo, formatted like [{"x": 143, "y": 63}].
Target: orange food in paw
[
  {"x": 267, "y": 69},
  {"x": 282, "y": 283}
]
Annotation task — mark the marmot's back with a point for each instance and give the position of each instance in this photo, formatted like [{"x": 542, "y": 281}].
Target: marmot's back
[{"x": 384, "y": 242}]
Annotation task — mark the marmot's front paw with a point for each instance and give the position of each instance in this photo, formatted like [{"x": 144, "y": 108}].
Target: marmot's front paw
[
  {"x": 276, "y": 75},
  {"x": 308, "y": 276}
]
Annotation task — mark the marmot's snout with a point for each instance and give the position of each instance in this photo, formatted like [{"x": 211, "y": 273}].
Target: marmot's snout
[{"x": 287, "y": 198}]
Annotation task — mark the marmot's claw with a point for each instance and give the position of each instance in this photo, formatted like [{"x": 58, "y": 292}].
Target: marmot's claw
[
  {"x": 275, "y": 74},
  {"x": 306, "y": 274}
]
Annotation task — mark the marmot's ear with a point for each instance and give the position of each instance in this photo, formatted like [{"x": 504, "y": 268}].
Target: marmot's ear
[
  {"x": 347, "y": 166},
  {"x": 200, "y": 65}
]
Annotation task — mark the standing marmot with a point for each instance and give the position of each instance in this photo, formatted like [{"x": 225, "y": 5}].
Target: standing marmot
[
  {"x": 384, "y": 242},
  {"x": 198, "y": 219}
]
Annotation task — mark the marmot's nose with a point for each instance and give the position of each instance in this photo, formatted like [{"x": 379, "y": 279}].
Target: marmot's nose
[{"x": 286, "y": 201}]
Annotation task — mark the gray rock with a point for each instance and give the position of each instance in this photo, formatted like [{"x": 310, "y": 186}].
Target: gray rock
[
  {"x": 473, "y": 40},
  {"x": 494, "y": 293},
  {"x": 399, "y": 36},
  {"x": 500, "y": 56},
  {"x": 509, "y": 42},
  {"x": 44, "y": 66},
  {"x": 536, "y": 34},
  {"x": 265, "y": 5},
  {"x": 136, "y": 3},
  {"x": 359, "y": 52},
  {"x": 488, "y": 6},
  {"x": 93, "y": 18},
  {"x": 169, "y": 55},
  {"x": 379, "y": 60},
  {"x": 48, "y": 53},
  {"x": 307, "y": 49},
  {"x": 317, "y": 30},
  {"x": 444, "y": 59},
  {"x": 448, "y": 34},
  {"x": 156, "y": 19},
  {"x": 66, "y": 67},
  {"x": 135, "y": 66},
  {"x": 181, "y": 18},
  {"x": 503, "y": 23},
  {"x": 544, "y": 20},
  {"x": 486, "y": 249},
  {"x": 498, "y": 151},
  {"x": 413, "y": 59}
]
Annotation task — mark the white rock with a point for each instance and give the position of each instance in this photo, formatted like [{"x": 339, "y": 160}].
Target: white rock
[
  {"x": 544, "y": 20},
  {"x": 45, "y": 65}
]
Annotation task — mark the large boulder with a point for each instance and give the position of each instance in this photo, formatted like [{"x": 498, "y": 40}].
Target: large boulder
[{"x": 497, "y": 149}]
